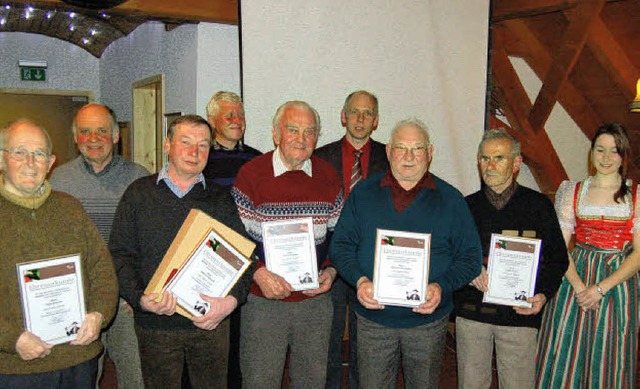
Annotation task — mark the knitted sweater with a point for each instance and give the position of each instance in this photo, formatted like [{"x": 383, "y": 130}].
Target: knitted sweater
[
  {"x": 51, "y": 225},
  {"x": 455, "y": 256},
  {"x": 223, "y": 165},
  {"x": 98, "y": 193},
  {"x": 527, "y": 210},
  {"x": 146, "y": 222},
  {"x": 261, "y": 197}
]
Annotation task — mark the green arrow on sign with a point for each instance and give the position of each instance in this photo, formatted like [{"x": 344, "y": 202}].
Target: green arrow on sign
[{"x": 33, "y": 74}]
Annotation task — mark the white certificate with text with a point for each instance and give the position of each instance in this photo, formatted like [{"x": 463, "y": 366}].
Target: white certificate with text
[
  {"x": 512, "y": 270},
  {"x": 290, "y": 252},
  {"x": 401, "y": 268},
  {"x": 212, "y": 270},
  {"x": 53, "y": 306}
]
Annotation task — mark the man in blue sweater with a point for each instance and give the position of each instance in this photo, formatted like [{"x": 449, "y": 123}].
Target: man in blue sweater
[{"x": 405, "y": 198}]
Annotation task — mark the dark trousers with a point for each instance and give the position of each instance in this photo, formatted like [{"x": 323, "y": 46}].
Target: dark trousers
[
  {"x": 82, "y": 376},
  {"x": 164, "y": 353},
  {"x": 234, "y": 379},
  {"x": 344, "y": 299}
]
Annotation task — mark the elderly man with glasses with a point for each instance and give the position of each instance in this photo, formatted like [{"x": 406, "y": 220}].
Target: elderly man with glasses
[
  {"x": 38, "y": 224},
  {"x": 409, "y": 199}
]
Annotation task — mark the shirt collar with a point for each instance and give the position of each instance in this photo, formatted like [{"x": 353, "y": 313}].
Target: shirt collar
[
  {"x": 427, "y": 181},
  {"x": 115, "y": 158},
  {"x": 348, "y": 147},
  {"x": 499, "y": 200},
  {"x": 163, "y": 175},
  {"x": 279, "y": 168}
]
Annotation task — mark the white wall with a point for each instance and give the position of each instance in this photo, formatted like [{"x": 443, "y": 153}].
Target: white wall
[
  {"x": 69, "y": 66},
  {"x": 423, "y": 58},
  {"x": 147, "y": 51},
  {"x": 196, "y": 60},
  {"x": 218, "y": 62}
]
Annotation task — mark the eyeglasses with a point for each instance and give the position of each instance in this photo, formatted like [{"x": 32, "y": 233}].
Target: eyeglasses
[
  {"x": 401, "y": 151},
  {"x": 21, "y": 155}
]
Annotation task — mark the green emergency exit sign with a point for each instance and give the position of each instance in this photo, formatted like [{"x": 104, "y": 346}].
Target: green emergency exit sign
[{"x": 33, "y": 74}]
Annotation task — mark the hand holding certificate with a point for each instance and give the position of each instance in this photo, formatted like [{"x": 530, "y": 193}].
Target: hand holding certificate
[
  {"x": 193, "y": 238},
  {"x": 290, "y": 252},
  {"x": 512, "y": 270},
  {"x": 401, "y": 269},
  {"x": 212, "y": 270},
  {"x": 52, "y": 298}
]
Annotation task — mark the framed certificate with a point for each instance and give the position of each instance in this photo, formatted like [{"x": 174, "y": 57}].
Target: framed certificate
[
  {"x": 401, "y": 268},
  {"x": 53, "y": 306},
  {"x": 512, "y": 270},
  {"x": 290, "y": 252},
  {"x": 213, "y": 269}
]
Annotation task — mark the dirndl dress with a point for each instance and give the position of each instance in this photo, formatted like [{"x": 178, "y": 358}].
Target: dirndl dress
[{"x": 596, "y": 348}]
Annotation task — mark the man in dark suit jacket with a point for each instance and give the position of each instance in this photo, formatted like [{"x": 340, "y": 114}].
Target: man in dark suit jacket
[{"x": 360, "y": 118}]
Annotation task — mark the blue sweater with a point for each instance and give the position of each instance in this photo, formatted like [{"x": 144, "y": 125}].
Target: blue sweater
[{"x": 456, "y": 255}]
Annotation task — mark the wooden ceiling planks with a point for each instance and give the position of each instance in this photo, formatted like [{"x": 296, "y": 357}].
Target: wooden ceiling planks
[
  {"x": 596, "y": 80},
  {"x": 537, "y": 150},
  {"x": 565, "y": 56}
]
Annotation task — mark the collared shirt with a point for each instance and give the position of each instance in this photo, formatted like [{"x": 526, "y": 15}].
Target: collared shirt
[
  {"x": 238, "y": 147},
  {"x": 164, "y": 175},
  {"x": 499, "y": 200},
  {"x": 114, "y": 160},
  {"x": 279, "y": 168},
  {"x": 348, "y": 158},
  {"x": 402, "y": 198}
]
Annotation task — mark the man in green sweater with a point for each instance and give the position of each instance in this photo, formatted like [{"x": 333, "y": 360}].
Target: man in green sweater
[
  {"x": 39, "y": 224},
  {"x": 407, "y": 198}
]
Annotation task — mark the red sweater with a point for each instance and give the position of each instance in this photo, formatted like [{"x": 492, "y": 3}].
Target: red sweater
[{"x": 261, "y": 197}]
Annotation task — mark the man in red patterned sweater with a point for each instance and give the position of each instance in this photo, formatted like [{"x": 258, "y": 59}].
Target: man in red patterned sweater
[{"x": 288, "y": 183}]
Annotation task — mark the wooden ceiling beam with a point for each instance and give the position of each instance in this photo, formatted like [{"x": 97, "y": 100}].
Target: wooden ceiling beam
[
  {"x": 538, "y": 57},
  {"x": 565, "y": 57},
  {"x": 613, "y": 58},
  {"x": 214, "y": 11},
  {"x": 538, "y": 151},
  {"x": 516, "y": 9}
]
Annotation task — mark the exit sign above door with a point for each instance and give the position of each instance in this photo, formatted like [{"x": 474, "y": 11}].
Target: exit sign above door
[{"x": 33, "y": 74}]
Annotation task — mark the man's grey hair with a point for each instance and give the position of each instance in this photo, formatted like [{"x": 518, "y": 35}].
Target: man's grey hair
[
  {"x": 115, "y": 128},
  {"x": 213, "y": 107},
  {"x": 373, "y": 97},
  {"x": 413, "y": 122},
  {"x": 5, "y": 131},
  {"x": 295, "y": 104},
  {"x": 500, "y": 134}
]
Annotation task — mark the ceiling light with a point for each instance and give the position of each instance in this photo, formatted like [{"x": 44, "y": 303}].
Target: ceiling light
[{"x": 32, "y": 63}]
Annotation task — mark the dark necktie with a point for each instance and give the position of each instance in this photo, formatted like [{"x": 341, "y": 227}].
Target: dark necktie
[{"x": 356, "y": 170}]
